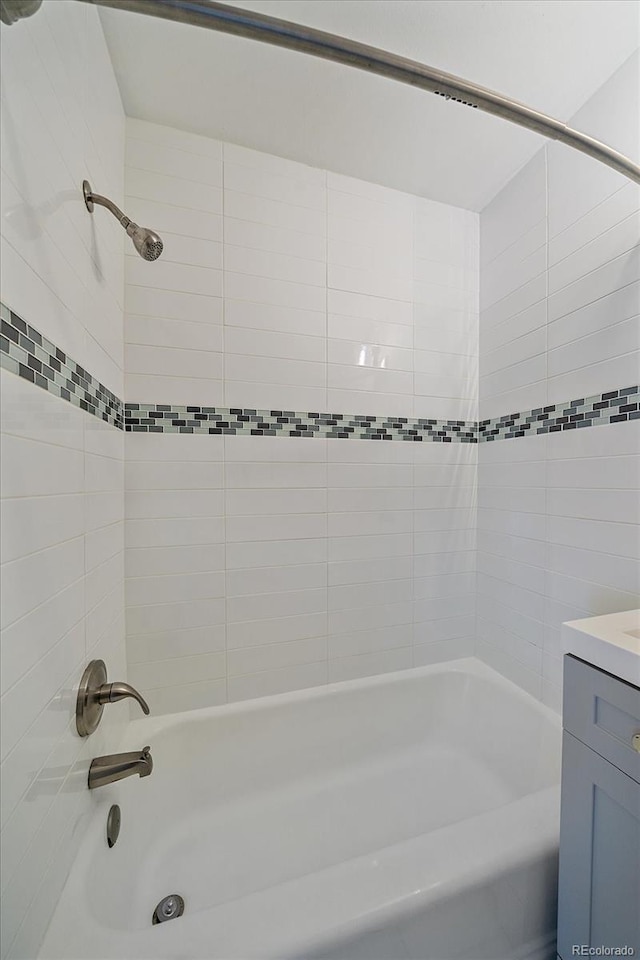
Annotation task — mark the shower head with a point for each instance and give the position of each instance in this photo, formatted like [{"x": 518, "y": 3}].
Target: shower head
[
  {"x": 13, "y": 10},
  {"x": 146, "y": 241}
]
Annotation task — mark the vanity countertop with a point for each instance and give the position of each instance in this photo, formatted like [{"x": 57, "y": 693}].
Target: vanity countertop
[{"x": 611, "y": 642}]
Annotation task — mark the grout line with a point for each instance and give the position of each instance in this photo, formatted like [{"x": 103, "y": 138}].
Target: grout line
[{"x": 223, "y": 316}]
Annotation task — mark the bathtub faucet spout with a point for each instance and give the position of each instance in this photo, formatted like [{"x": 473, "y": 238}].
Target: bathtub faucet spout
[{"x": 117, "y": 766}]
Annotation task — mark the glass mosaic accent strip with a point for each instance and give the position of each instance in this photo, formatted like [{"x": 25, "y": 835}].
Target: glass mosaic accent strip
[
  {"x": 25, "y": 352},
  {"x": 164, "y": 418},
  {"x": 614, "y": 406}
]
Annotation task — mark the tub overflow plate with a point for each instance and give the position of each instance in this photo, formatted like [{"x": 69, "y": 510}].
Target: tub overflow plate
[
  {"x": 113, "y": 825},
  {"x": 169, "y": 908}
]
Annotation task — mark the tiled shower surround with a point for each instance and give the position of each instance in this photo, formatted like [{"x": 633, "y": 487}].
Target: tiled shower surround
[
  {"x": 282, "y": 531},
  {"x": 254, "y": 567},
  {"x": 283, "y": 563},
  {"x": 257, "y": 564},
  {"x": 558, "y": 535}
]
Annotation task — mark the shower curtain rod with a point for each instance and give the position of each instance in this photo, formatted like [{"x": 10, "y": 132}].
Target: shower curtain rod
[{"x": 329, "y": 46}]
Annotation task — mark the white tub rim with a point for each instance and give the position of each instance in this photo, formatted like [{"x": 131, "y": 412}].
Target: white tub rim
[{"x": 152, "y": 725}]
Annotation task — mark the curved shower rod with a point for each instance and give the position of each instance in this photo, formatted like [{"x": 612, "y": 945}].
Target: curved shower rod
[{"x": 329, "y": 46}]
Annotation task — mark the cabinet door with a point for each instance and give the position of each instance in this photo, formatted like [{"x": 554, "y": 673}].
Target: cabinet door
[
  {"x": 599, "y": 885},
  {"x": 603, "y": 712}
]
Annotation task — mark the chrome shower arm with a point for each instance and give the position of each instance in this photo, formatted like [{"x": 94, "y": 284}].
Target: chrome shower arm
[
  {"x": 329, "y": 46},
  {"x": 146, "y": 241},
  {"x": 91, "y": 198}
]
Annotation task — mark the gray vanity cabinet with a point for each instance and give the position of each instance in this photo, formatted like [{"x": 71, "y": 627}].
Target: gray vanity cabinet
[{"x": 599, "y": 883}]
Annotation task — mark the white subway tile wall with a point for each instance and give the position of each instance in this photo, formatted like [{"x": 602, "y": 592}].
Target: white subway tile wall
[
  {"x": 512, "y": 525},
  {"x": 513, "y": 291},
  {"x": 257, "y": 565},
  {"x": 175, "y": 569},
  {"x": 560, "y": 318},
  {"x": 274, "y": 236},
  {"x": 62, "y": 470},
  {"x": 593, "y": 537},
  {"x": 594, "y": 255},
  {"x": 174, "y": 312},
  {"x": 292, "y": 288},
  {"x": 283, "y": 563}
]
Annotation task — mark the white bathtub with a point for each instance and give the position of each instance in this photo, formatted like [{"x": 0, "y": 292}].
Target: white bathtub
[{"x": 413, "y": 815}]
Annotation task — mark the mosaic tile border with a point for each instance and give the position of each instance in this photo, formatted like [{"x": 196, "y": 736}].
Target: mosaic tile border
[
  {"x": 164, "y": 418},
  {"x": 613, "y": 406},
  {"x": 27, "y": 353}
]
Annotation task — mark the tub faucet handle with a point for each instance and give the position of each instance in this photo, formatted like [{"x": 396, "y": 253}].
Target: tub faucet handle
[
  {"x": 94, "y": 692},
  {"x": 112, "y": 692}
]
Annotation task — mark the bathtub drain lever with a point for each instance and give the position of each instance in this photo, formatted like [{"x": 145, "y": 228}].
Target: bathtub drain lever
[{"x": 168, "y": 909}]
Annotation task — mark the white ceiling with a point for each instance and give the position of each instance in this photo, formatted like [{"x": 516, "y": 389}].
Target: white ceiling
[{"x": 551, "y": 55}]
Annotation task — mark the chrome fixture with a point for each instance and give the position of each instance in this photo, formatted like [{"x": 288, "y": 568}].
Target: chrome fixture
[
  {"x": 94, "y": 692},
  {"x": 146, "y": 241},
  {"x": 13, "y": 10},
  {"x": 117, "y": 766},
  {"x": 168, "y": 909},
  {"x": 113, "y": 825}
]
